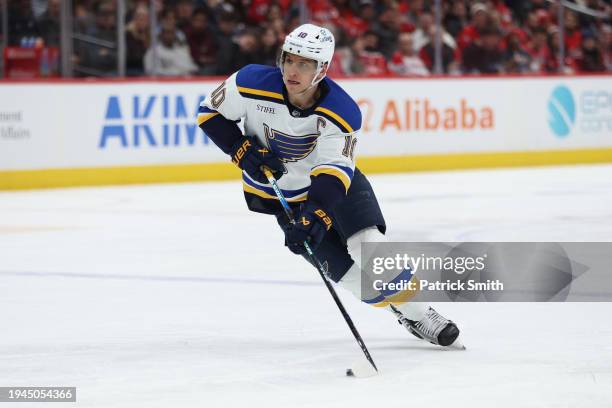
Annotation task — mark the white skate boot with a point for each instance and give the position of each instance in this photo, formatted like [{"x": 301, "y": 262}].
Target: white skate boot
[{"x": 433, "y": 328}]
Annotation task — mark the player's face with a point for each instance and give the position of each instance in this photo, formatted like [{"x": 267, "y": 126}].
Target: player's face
[{"x": 298, "y": 72}]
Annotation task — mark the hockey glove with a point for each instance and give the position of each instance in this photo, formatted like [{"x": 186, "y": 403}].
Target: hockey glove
[
  {"x": 312, "y": 222},
  {"x": 250, "y": 156}
]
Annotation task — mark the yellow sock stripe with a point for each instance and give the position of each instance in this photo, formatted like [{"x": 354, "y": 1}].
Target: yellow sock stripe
[
  {"x": 203, "y": 117},
  {"x": 332, "y": 171},
  {"x": 400, "y": 297},
  {"x": 261, "y": 93},
  {"x": 335, "y": 116}
]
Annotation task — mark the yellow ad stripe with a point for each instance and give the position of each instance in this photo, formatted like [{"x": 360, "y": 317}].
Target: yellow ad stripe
[
  {"x": 174, "y": 173},
  {"x": 335, "y": 116},
  {"x": 260, "y": 92}
]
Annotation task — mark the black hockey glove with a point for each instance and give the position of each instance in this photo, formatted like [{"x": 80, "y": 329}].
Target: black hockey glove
[
  {"x": 312, "y": 222},
  {"x": 250, "y": 156}
]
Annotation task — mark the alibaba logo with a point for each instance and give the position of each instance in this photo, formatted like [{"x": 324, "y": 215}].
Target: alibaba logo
[{"x": 561, "y": 111}]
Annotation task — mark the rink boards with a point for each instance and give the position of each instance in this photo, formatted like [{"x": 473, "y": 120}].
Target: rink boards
[{"x": 99, "y": 132}]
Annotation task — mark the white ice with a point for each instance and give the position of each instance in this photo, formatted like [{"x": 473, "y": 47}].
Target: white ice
[{"x": 177, "y": 296}]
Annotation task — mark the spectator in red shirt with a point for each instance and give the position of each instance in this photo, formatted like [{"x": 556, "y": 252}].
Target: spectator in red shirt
[
  {"x": 481, "y": 19},
  {"x": 405, "y": 61},
  {"x": 573, "y": 36},
  {"x": 539, "y": 51},
  {"x": 365, "y": 59}
]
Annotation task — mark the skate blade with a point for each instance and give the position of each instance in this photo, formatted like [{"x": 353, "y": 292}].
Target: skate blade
[{"x": 457, "y": 345}]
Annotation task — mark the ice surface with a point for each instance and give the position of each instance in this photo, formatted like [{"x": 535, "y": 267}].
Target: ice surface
[{"x": 177, "y": 296}]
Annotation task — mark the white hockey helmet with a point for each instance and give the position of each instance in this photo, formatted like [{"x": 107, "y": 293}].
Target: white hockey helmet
[{"x": 310, "y": 41}]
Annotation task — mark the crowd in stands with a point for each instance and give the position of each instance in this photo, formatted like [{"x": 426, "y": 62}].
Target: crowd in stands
[{"x": 386, "y": 37}]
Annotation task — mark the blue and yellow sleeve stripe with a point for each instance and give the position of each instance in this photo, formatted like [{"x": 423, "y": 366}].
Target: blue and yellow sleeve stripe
[
  {"x": 343, "y": 173},
  {"x": 205, "y": 113},
  {"x": 261, "y": 94},
  {"x": 249, "y": 186}
]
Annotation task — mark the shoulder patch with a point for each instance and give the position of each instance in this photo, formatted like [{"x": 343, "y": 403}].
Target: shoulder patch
[
  {"x": 340, "y": 108},
  {"x": 260, "y": 82}
]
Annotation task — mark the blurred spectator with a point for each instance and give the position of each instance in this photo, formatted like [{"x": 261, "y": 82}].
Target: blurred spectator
[
  {"x": 480, "y": 20},
  {"x": 427, "y": 54},
  {"x": 168, "y": 18},
  {"x": 49, "y": 24},
  {"x": 540, "y": 52},
  {"x": 366, "y": 59},
  {"x": 38, "y": 8},
  {"x": 456, "y": 18},
  {"x": 21, "y": 22},
  {"x": 516, "y": 57},
  {"x": 591, "y": 59},
  {"x": 269, "y": 47},
  {"x": 83, "y": 17},
  {"x": 247, "y": 51},
  {"x": 184, "y": 14},
  {"x": 405, "y": 61},
  {"x": 606, "y": 45},
  {"x": 94, "y": 57},
  {"x": 421, "y": 35},
  {"x": 573, "y": 36},
  {"x": 201, "y": 40},
  {"x": 137, "y": 41},
  {"x": 173, "y": 56},
  {"x": 387, "y": 29},
  {"x": 224, "y": 37},
  {"x": 484, "y": 56},
  {"x": 259, "y": 10},
  {"x": 244, "y": 51}
]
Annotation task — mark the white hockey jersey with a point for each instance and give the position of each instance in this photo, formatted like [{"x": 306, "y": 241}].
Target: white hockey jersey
[{"x": 309, "y": 142}]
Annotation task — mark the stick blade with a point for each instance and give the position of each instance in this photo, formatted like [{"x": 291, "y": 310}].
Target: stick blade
[{"x": 361, "y": 369}]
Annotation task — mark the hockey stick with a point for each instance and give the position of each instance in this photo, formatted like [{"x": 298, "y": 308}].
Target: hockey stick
[{"x": 321, "y": 270}]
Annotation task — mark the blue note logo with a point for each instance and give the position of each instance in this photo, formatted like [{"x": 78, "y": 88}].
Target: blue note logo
[
  {"x": 561, "y": 111},
  {"x": 290, "y": 148}
]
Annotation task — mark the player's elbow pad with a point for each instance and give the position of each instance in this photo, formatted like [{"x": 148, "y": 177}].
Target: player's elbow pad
[{"x": 223, "y": 132}]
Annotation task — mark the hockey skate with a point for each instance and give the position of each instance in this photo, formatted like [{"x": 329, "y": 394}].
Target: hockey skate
[{"x": 433, "y": 328}]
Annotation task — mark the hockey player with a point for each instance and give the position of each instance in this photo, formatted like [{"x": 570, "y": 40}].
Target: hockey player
[{"x": 304, "y": 128}]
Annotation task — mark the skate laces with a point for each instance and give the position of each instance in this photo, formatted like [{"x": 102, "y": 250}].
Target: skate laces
[{"x": 432, "y": 324}]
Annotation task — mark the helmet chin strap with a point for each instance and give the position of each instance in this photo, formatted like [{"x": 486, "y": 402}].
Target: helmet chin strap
[{"x": 314, "y": 81}]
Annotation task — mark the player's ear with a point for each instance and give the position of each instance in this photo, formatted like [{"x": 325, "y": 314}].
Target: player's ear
[{"x": 323, "y": 71}]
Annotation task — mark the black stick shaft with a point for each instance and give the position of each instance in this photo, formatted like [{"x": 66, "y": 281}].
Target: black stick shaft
[{"x": 321, "y": 271}]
